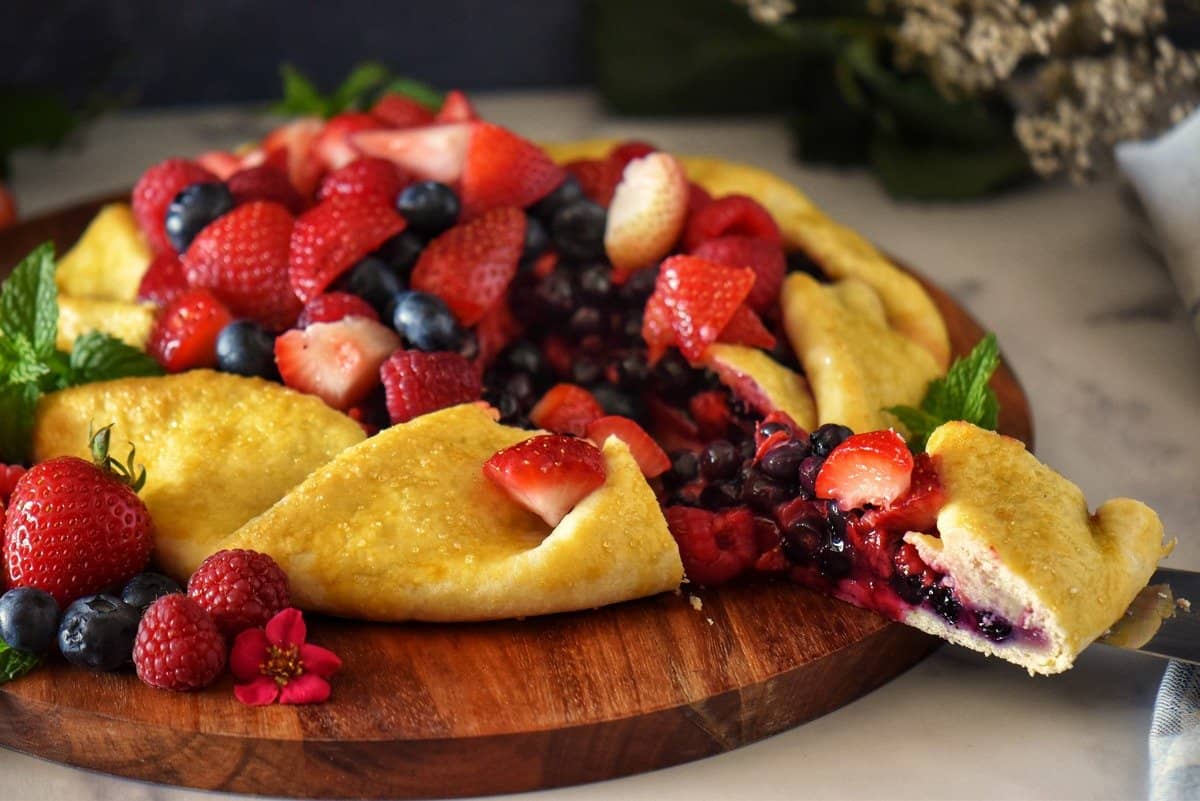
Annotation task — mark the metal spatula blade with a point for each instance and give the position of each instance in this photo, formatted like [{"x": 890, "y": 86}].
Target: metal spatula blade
[{"x": 1164, "y": 619}]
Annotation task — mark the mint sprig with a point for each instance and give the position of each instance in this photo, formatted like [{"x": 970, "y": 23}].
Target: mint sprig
[
  {"x": 31, "y": 364},
  {"x": 962, "y": 394},
  {"x": 14, "y": 664},
  {"x": 365, "y": 83}
]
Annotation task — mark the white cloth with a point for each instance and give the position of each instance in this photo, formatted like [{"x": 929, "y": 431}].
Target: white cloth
[{"x": 1175, "y": 736}]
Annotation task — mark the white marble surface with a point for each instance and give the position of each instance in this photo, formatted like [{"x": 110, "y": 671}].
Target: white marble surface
[{"x": 1099, "y": 339}]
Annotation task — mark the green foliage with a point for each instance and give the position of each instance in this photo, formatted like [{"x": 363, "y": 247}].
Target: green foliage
[
  {"x": 31, "y": 118},
  {"x": 962, "y": 394},
  {"x": 15, "y": 664},
  {"x": 365, "y": 83}
]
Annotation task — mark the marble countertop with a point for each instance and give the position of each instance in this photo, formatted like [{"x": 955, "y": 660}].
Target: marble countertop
[{"x": 1090, "y": 321}]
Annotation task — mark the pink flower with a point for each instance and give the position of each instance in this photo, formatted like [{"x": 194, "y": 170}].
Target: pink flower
[{"x": 277, "y": 664}]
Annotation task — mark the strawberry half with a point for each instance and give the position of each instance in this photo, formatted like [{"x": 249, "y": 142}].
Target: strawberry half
[
  {"x": 727, "y": 216},
  {"x": 164, "y": 280},
  {"x": 598, "y": 178},
  {"x": 548, "y": 474},
  {"x": 647, "y": 213},
  {"x": 471, "y": 265},
  {"x": 763, "y": 256},
  {"x": 338, "y": 362},
  {"x": 363, "y": 176},
  {"x": 399, "y": 111},
  {"x": 155, "y": 190},
  {"x": 502, "y": 169},
  {"x": 332, "y": 148},
  {"x": 566, "y": 409},
  {"x": 715, "y": 547},
  {"x": 746, "y": 328},
  {"x": 243, "y": 258},
  {"x": 334, "y": 306},
  {"x": 289, "y": 148},
  {"x": 334, "y": 235},
  {"x": 456, "y": 108},
  {"x": 652, "y": 459},
  {"x": 433, "y": 152},
  {"x": 917, "y": 509},
  {"x": 698, "y": 299},
  {"x": 264, "y": 182},
  {"x": 185, "y": 334},
  {"x": 220, "y": 163},
  {"x": 629, "y": 150},
  {"x": 416, "y": 383},
  {"x": 873, "y": 468}
]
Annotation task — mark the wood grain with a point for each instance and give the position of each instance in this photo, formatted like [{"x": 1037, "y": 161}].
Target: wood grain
[{"x": 454, "y": 710}]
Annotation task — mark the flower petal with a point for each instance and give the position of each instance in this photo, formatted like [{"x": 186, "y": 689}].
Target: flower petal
[
  {"x": 287, "y": 628},
  {"x": 307, "y": 689},
  {"x": 319, "y": 660},
  {"x": 260, "y": 692},
  {"x": 248, "y": 653}
]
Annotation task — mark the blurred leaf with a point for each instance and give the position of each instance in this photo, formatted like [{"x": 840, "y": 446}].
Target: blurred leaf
[
  {"x": 300, "y": 95},
  {"x": 356, "y": 91},
  {"x": 939, "y": 172},
  {"x": 421, "y": 92},
  {"x": 360, "y": 89},
  {"x": 32, "y": 118}
]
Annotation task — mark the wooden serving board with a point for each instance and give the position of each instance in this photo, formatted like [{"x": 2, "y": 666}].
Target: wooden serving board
[{"x": 426, "y": 710}]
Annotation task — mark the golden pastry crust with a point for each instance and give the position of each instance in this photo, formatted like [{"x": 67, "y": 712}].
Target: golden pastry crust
[
  {"x": 218, "y": 448},
  {"x": 1017, "y": 538},
  {"x": 406, "y": 526},
  {"x": 109, "y": 259},
  {"x": 840, "y": 251},
  {"x": 780, "y": 388},
  {"x": 129, "y": 322}
]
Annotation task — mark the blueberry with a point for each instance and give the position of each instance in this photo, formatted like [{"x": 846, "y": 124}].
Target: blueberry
[
  {"x": 763, "y": 494},
  {"x": 615, "y": 401},
  {"x": 578, "y": 230},
  {"x": 246, "y": 348},
  {"x": 782, "y": 462},
  {"x": 767, "y": 429},
  {"x": 520, "y": 387},
  {"x": 719, "y": 496},
  {"x": 508, "y": 406},
  {"x": 684, "y": 468},
  {"x": 426, "y": 322},
  {"x": 536, "y": 239},
  {"x": 827, "y": 437},
  {"x": 632, "y": 370},
  {"x": 586, "y": 370},
  {"x": 802, "y": 539},
  {"x": 673, "y": 376},
  {"x": 429, "y": 207},
  {"x": 594, "y": 281},
  {"x": 523, "y": 356},
  {"x": 944, "y": 603},
  {"x": 555, "y": 296},
  {"x": 807, "y": 474},
  {"x": 194, "y": 207},
  {"x": 146, "y": 588},
  {"x": 910, "y": 588},
  {"x": 638, "y": 287},
  {"x": 719, "y": 460},
  {"x": 373, "y": 280},
  {"x": 993, "y": 626},
  {"x": 586, "y": 320},
  {"x": 97, "y": 632},
  {"x": 402, "y": 251},
  {"x": 28, "y": 619},
  {"x": 564, "y": 194}
]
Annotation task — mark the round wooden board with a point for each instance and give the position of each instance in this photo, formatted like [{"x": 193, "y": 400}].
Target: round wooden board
[{"x": 472, "y": 709}]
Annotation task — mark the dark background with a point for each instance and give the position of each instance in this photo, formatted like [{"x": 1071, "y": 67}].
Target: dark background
[{"x": 158, "y": 52}]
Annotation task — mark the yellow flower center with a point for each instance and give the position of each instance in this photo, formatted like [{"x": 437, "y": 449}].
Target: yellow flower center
[{"x": 283, "y": 664}]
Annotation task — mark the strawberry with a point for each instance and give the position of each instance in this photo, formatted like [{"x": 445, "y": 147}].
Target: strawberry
[
  {"x": 243, "y": 258},
  {"x": 365, "y": 175},
  {"x": 220, "y": 163},
  {"x": 185, "y": 334},
  {"x": 872, "y": 468},
  {"x": 647, "y": 213},
  {"x": 763, "y": 256},
  {"x": 332, "y": 148},
  {"x": 495, "y": 331},
  {"x": 338, "y": 362},
  {"x": 656, "y": 327},
  {"x": 629, "y": 150},
  {"x": 74, "y": 527},
  {"x": 715, "y": 547},
  {"x": 471, "y": 265},
  {"x": 289, "y": 148},
  {"x": 334, "y": 235},
  {"x": 434, "y": 152},
  {"x": 417, "y": 383},
  {"x": 164, "y": 280},
  {"x": 155, "y": 190},
  {"x": 698, "y": 299},
  {"x": 548, "y": 474},
  {"x": 730, "y": 215},
  {"x": 399, "y": 111},
  {"x": 597, "y": 177},
  {"x": 711, "y": 412},
  {"x": 456, "y": 108},
  {"x": 673, "y": 429},
  {"x": 559, "y": 354},
  {"x": 334, "y": 306},
  {"x": 746, "y": 328},
  {"x": 10, "y": 474},
  {"x": 917, "y": 509},
  {"x": 652, "y": 459},
  {"x": 698, "y": 197},
  {"x": 264, "y": 182},
  {"x": 566, "y": 409},
  {"x": 8, "y": 208},
  {"x": 502, "y": 169}
]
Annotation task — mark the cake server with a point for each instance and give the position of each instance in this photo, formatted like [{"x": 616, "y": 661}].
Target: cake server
[{"x": 1164, "y": 619}]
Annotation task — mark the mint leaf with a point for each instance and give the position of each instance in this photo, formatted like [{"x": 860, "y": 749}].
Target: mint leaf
[
  {"x": 18, "y": 402},
  {"x": 15, "y": 664},
  {"x": 300, "y": 95},
  {"x": 29, "y": 302},
  {"x": 423, "y": 93},
  {"x": 358, "y": 91},
  {"x": 101, "y": 357},
  {"x": 355, "y": 91},
  {"x": 962, "y": 394}
]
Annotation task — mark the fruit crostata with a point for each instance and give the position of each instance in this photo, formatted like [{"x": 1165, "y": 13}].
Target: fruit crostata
[{"x": 440, "y": 372}]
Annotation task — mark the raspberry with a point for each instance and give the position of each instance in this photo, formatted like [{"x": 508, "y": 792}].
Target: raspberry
[
  {"x": 240, "y": 589},
  {"x": 178, "y": 646}
]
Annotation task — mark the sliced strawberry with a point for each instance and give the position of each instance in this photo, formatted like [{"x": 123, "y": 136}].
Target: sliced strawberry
[
  {"x": 566, "y": 409},
  {"x": 365, "y": 175},
  {"x": 155, "y": 190},
  {"x": 289, "y": 148},
  {"x": 338, "y": 362},
  {"x": 400, "y": 111},
  {"x": 265, "y": 182},
  {"x": 8, "y": 218},
  {"x": 700, "y": 298},
  {"x": 698, "y": 197},
  {"x": 185, "y": 334},
  {"x": 334, "y": 235},
  {"x": 728, "y": 216},
  {"x": 559, "y": 354},
  {"x": 656, "y": 327},
  {"x": 545, "y": 264},
  {"x": 872, "y": 468},
  {"x": 672, "y": 428},
  {"x": 334, "y": 306},
  {"x": 917, "y": 509},
  {"x": 503, "y": 169},
  {"x": 243, "y": 258},
  {"x": 629, "y": 150},
  {"x": 456, "y": 108},
  {"x": 712, "y": 414},
  {"x": 647, "y": 213},
  {"x": 471, "y": 265},
  {"x": 164, "y": 280},
  {"x": 495, "y": 331},
  {"x": 332, "y": 148},
  {"x": 715, "y": 547},
  {"x": 597, "y": 177},
  {"x": 10, "y": 474},
  {"x": 417, "y": 383},
  {"x": 652, "y": 459},
  {"x": 220, "y": 163},
  {"x": 548, "y": 474},
  {"x": 435, "y": 152},
  {"x": 746, "y": 328},
  {"x": 763, "y": 256}
]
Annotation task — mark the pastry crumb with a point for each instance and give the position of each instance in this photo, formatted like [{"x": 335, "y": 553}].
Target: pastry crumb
[
  {"x": 710, "y": 620},
  {"x": 696, "y": 602},
  {"x": 1184, "y": 604}
]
